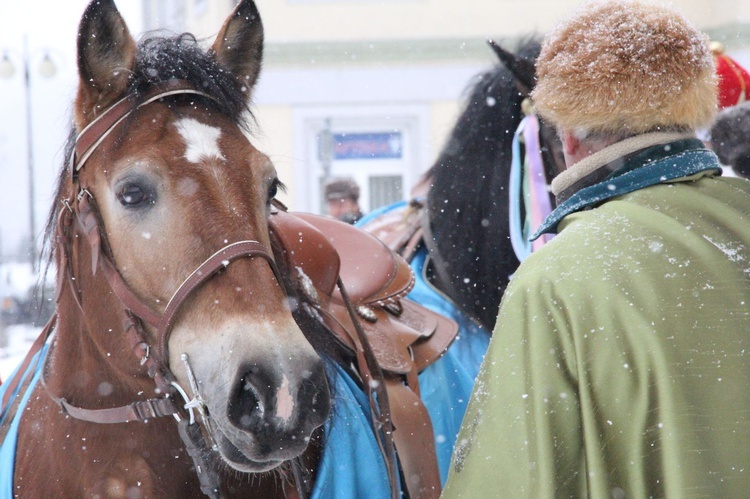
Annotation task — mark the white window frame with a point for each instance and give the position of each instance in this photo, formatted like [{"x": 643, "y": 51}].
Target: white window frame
[{"x": 412, "y": 121}]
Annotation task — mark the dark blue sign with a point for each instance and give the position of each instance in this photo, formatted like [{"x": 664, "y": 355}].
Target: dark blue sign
[{"x": 386, "y": 145}]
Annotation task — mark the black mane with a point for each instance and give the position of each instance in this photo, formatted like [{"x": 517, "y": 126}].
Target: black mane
[
  {"x": 468, "y": 198},
  {"x": 160, "y": 59}
]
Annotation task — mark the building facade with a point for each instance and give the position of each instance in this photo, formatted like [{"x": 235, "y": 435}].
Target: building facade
[{"x": 370, "y": 88}]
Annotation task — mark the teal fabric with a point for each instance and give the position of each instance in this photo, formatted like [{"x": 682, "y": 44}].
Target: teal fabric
[
  {"x": 446, "y": 385},
  {"x": 8, "y": 446},
  {"x": 351, "y": 464},
  {"x": 630, "y": 179}
]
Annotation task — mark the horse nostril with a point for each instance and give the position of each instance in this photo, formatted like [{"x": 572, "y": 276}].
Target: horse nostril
[
  {"x": 315, "y": 390},
  {"x": 249, "y": 403},
  {"x": 248, "y": 406}
]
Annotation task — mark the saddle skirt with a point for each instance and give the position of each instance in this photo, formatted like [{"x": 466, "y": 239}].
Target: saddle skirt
[
  {"x": 447, "y": 384},
  {"x": 404, "y": 337}
]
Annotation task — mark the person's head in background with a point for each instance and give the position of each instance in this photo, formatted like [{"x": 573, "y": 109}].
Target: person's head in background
[
  {"x": 730, "y": 133},
  {"x": 342, "y": 199},
  {"x": 730, "y": 138}
]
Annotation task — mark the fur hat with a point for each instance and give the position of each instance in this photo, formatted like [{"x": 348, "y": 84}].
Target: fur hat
[
  {"x": 734, "y": 81},
  {"x": 341, "y": 188},
  {"x": 624, "y": 66}
]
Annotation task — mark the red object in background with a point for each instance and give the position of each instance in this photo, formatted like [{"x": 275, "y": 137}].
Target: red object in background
[{"x": 734, "y": 80}]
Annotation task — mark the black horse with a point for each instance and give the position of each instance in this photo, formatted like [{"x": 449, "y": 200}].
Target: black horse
[{"x": 466, "y": 228}]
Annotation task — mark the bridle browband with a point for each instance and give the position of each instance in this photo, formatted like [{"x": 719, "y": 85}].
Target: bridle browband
[{"x": 135, "y": 312}]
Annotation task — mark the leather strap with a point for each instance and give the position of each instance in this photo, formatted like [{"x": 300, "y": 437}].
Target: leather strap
[
  {"x": 205, "y": 467},
  {"x": 219, "y": 260},
  {"x": 162, "y": 322},
  {"x": 415, "y": 440},
  {"x": 374, "y": 386},
  {"x": 142, "y": 410},
  {"x": 95, "y": 132}
]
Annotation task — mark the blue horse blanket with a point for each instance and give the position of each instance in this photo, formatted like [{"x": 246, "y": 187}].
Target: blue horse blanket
[
  {"x": 446, "y": 385},
  {"x": 8, "y": 446}
]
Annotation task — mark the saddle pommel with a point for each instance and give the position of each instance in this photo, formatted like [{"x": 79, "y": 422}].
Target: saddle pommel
[{"x": 403, "y": 334}]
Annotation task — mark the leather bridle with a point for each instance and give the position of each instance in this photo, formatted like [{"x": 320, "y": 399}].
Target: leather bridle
[{"x": 135, "y": 312}]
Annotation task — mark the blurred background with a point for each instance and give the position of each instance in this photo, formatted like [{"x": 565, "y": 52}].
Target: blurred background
[{"x": 366, "y": 89}]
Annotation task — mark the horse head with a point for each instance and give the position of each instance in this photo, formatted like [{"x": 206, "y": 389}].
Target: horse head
[{"x": 179, "y": 199}]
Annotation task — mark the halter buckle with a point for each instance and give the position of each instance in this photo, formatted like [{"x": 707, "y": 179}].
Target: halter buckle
[
  {"x": 146, "y": 347},
  {"x": 84, "y": 192}
]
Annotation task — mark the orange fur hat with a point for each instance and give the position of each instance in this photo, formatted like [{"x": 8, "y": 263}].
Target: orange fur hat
[{"x": 625, "y": 66}]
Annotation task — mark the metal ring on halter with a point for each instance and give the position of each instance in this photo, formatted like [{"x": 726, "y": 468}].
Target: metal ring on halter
[
  {"x": 197, "y": 401},
  {"x": 189, "y": 403}
]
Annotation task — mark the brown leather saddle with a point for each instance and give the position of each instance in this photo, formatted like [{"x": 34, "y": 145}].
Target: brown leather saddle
[
  {"x": 401, "y": 229},
  {"x": 321, "y": 253}
]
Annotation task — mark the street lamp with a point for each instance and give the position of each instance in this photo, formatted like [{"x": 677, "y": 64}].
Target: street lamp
[{"x": 46, "y": 69}]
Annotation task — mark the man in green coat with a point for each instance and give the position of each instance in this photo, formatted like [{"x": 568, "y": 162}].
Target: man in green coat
[{"x": 620, "y": 363}]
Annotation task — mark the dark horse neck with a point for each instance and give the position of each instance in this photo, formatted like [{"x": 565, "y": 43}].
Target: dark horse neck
[{"x": 468, "y": 200}]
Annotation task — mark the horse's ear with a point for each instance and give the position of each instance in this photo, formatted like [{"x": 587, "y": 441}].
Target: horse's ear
[
  {"x": 106, "y": 57},
  {"x": 239, "y": 44},
  {"x": 522, "y": 69}
]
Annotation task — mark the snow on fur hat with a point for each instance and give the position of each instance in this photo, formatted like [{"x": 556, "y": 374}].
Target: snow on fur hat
[{"x": 626, "y": 66}]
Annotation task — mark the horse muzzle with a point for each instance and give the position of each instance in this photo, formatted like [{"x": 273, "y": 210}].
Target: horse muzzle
[{"x": 270, "y": 417}]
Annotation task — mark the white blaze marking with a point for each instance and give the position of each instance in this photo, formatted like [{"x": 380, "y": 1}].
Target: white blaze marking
[
  {"x": 201, "y": 141},
  {"x": 284, "y": 401}
]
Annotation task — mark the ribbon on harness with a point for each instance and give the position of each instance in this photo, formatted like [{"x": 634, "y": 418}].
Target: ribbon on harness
[{"x": 528, "y": 185}]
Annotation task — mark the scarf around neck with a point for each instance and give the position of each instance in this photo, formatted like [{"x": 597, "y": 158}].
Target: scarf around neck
[{"x": 624, "y": 167}]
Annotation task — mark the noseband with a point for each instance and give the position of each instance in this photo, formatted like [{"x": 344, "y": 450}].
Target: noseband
[{"x": 135, "y": 312}]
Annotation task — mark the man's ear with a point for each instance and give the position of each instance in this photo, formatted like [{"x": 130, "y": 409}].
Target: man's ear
[{"x": 571, "y": 143}]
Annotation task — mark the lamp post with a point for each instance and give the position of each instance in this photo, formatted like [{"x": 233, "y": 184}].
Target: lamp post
[{"x": 46, "y": 69}]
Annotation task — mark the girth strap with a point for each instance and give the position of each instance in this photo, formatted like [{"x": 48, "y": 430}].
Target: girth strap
[{"x": 414, "y": 436}]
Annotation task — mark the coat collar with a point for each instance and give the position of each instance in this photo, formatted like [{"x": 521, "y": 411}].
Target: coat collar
[{"x": 653, "y": 165}]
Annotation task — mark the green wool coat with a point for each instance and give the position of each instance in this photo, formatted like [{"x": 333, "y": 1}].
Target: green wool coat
[{"x": 620, "y": 364}]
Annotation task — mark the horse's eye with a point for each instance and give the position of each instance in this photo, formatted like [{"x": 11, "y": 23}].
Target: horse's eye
[
  {"x": 133, "y": 195},
  {"x": 274, "y": 188}
]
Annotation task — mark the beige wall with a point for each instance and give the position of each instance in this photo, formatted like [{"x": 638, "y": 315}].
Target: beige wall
[
  {"x": 273, "y": 136},
  {"x": 321, "y": 26},
  {"x": 314, "y": 20},
  {"x": 305, "y": 36}
]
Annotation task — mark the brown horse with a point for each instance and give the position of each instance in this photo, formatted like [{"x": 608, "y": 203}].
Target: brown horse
[{"x": 162, "y": 248}]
